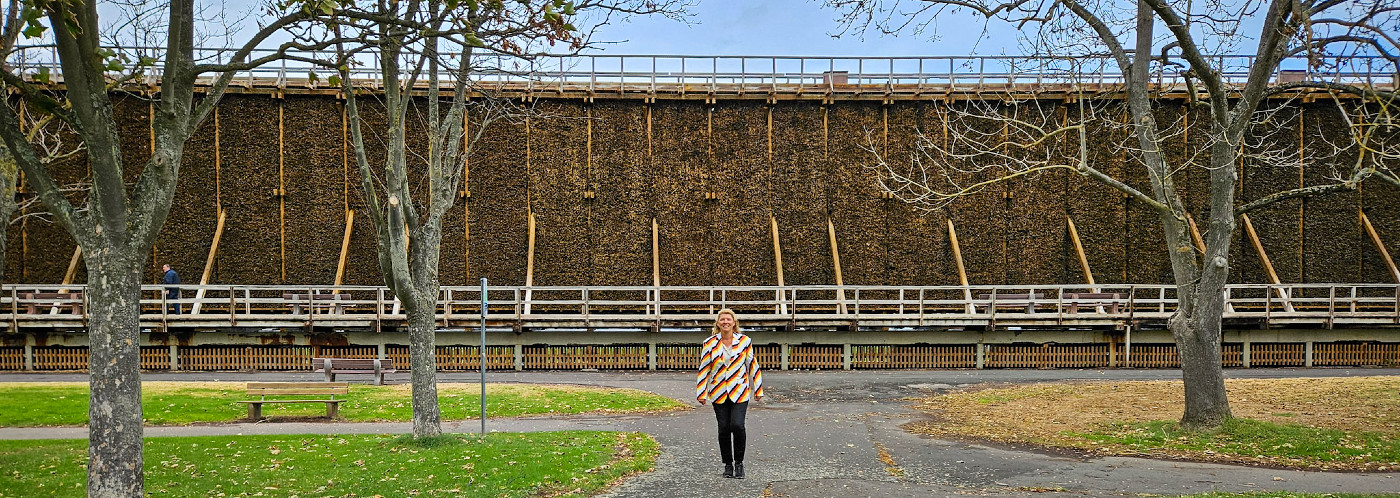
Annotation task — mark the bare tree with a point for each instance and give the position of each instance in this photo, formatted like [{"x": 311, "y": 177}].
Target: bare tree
[
  {"x": 1322, "y": 31},
  {"x": 405, "y": 39},
  {"x": 113, "y": 222}
]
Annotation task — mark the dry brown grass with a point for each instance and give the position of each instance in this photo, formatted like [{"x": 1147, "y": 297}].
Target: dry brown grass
[{"x": 1051, "y": 414}]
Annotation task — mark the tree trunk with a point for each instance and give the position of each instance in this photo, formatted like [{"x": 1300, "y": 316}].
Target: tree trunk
[
  {"x": 422, "y": 353},
  {"x": 1198, "y": 342},
  {"x": 114, "y": 360}
]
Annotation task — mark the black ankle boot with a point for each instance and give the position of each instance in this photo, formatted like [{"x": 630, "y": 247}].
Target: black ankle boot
[
  {"x": 729, "y": 470},
  {"x": 738, "y": 470}
]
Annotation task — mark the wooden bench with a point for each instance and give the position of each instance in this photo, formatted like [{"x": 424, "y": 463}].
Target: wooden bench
[
  {"x": 71, "y": 301},
  {"x": 1073, "y": 300},
  {"x": 314, "y": 302},
  {"x": 264, "y": 389},
  {"x": 1015, "y": 301},
  {"x": 332, "y": 366}
]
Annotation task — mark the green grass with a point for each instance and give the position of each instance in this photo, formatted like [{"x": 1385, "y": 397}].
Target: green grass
[
  {"x": 572, "y": 463},
  {"x": 1284, "y": 494},
  {"x": 182, "y": 403},
  {"x": 1254, "y": 440}
]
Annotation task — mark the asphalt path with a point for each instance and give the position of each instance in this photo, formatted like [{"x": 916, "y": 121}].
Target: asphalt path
[{"x": 830, "y": 434}]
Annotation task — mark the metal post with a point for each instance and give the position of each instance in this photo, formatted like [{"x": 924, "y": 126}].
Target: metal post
[{"x": 483, "y": 356}]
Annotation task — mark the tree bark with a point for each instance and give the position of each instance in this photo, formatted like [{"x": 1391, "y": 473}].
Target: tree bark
[
  {"x": 422, "y": 353},
  {"x": 114, "y": 360}
]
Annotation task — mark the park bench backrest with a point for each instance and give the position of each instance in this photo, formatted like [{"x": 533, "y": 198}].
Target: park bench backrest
[
  {"x": 289, "y": 296},
  {"x": 298, "y": 388},
  {"x": 361, "y": 364}
]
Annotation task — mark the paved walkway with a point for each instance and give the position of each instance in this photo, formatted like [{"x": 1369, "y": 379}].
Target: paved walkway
[{"x": 822, "y": 434}]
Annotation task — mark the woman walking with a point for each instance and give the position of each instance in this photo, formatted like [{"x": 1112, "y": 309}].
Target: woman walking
[{"x": 729, "y": 376}]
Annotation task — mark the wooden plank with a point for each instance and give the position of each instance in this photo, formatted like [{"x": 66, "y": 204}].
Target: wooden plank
[
  {"x": 1079, "y": 250},
  {"x": 655, "y": 255},
  {"x": 1380, "y": 246},
  {"x": 1264, "y": 258},
  {"x": 73, "y": 266},
  {"x": 836, "y": 264},
  {"x": 1196, "y": 234},
  {"x": 957, "y": 258},
  {"x": 218, "y": 161},
  {"x": 209, "y": 261},
  {"x": 466, "y": 195},
  {"x": 344, "y": 248},
  {"x": 282, "y": 186},
  {"x": 777, "y": 248},
  {"x": 530, "y": 263}
]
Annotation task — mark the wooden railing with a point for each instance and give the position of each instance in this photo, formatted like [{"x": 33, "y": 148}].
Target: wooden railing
[{"x": 889, "y": 306}]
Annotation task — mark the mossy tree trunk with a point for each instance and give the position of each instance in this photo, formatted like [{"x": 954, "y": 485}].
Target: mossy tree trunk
[{"x": 117, "y": 225}]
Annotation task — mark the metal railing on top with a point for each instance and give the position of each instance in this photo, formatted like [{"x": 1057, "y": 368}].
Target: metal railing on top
[
  {"x": 888, "y": 305},
  {"x": 745, "y": 73}
]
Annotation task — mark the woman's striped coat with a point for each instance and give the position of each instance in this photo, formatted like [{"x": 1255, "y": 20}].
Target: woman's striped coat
[{"x": 728, "y": 373}]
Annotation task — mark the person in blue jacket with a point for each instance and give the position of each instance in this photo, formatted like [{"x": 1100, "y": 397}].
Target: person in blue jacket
[{"x": 171, "y": 293}]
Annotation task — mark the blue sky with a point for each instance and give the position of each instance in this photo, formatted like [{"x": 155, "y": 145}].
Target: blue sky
[{"x": 788, "y": 27}]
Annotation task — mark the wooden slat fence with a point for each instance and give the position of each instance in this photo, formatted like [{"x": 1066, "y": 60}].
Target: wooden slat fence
[
  {"x": 678, "y": 357},
  {"x": 155, "y": 358},
  {"x": 1277, "y": 355},
  {"x": 770, "y": 356},
  {"x": 369, "y": 352},
  {"x": 893, "y": 357},
  {"x": 1232, "y": 355},
  {"x": 585, "y": 357},
  {"x": 11, "y": 358},
  {"x": 814, "y": 357},
  {"x": 1153, "y": 356},
  {"x": 468, "y": 358},
  {"x": 60, "y": 358},
  {"x": 279, "y": 358},
  {"x": 1358, "y": 354},
  {"x": 1047, "y": 356},
  {"x": 214, "y": 358},
  {"x": 400, "y": 356},
  {"x": 686, "y": 356}
]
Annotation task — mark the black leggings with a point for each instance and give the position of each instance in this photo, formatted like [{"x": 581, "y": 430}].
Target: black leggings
[{"x": 731, "y": 425}]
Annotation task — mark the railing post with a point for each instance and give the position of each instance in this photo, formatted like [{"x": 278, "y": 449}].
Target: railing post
[
  {"x": 28, "y": 353},
  {"x": 783, "y": 356},
  {"x": 651, "y": 355},
  {"x": 845, "y": 356}
]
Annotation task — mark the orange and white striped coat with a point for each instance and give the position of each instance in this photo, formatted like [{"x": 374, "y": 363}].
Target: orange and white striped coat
[{"x": 728, "y": 373}]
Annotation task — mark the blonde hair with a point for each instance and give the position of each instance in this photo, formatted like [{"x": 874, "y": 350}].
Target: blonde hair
[{"x": 726, "y": 311}]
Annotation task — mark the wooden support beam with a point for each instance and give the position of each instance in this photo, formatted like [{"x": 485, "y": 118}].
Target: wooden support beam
[
  {"x": 282, "y": 186},
  {"x": 957, "y": 258},
  {"x": 1079, "y": 250},
  {"x": 777, "y": 261},
  {"x": 777, "y": 248},
  {"x": 836, "y": 264},
  {"x": 530, "y": 262},
  {"x": 655, "y": 253},
  {"x": 68, "y": 275},
  {"x": 1264, "y": 258},
  {"x": 209, "y": 262},
  {"x": 344, "y": 248},
  {"x": 1196, "y": 234},
  {"x": 218, "y": 161},
  {"x": 1380, "y": 246},
  {"x": 73, "y": 266},
  {"x": 466, "y": 195},
  {"x": 655, "y": 263}
]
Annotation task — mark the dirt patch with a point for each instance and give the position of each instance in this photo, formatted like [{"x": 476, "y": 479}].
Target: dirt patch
[{"x": 1050, "y": 415}]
